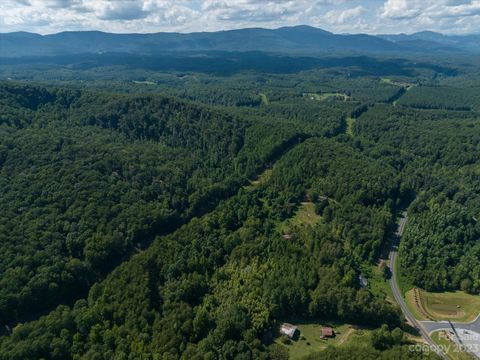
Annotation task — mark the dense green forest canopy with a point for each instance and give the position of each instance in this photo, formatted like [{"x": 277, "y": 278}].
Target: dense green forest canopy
[
  {"x": 155, "y": 214},
  {"x": 437, "y": 151},
  {"x": 88, "y": 178}
]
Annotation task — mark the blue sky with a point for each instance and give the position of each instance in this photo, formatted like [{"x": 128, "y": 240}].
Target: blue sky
[{"x": 341, "y": 16}]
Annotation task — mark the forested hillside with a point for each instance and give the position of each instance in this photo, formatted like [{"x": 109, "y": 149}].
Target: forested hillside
[
  {"x": 88, "y": 179},
  {"x": 217, "y": 284},
  {"x": 437, "y": 151},
  {"x": 186, "y": 215}
]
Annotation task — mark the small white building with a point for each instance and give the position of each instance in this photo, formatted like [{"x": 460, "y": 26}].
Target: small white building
[
  {"x": 362, "y": 281},
  {"x": 288, "y": 330}
]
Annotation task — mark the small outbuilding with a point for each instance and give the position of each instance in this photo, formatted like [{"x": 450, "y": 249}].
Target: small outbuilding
[
  {"x": 362, "y": 281},
  {"x": 327, "y": 332},
  {"x": 288, "y": 330}
]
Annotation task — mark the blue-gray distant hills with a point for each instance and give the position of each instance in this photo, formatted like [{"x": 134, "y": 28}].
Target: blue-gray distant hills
[{"x": 299, "y": 39}]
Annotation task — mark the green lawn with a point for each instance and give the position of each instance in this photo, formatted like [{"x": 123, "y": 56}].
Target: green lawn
[{"x": 309, "y": 341}]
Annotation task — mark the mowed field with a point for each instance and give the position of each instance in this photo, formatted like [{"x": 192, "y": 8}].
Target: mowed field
[{"x": 456, "y": 306}]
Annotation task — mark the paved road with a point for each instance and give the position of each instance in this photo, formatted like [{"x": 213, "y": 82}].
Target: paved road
[
  {"x": 467, "y": 333},
  {"x": 432, "y": 326},
  {"x": 397, "y": 293}
]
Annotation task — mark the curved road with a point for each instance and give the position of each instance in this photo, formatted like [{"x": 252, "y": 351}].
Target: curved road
[
  {"x": 467, "y": 334},
  {"x": 432, "y": 326},
  {"x": 398, "y": 294}
]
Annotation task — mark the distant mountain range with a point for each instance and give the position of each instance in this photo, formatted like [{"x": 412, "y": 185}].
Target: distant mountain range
[
  {"x": 429, "y": 40},
  {"x": 298, "y": 39}
]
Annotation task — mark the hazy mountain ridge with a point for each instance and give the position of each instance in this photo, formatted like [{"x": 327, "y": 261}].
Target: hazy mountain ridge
[
  {"x": 304, "y": 39},
  {"x": 431, "y": 39}
]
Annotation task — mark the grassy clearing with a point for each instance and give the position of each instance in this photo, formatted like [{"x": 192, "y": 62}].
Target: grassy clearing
[
  {"x": 261, "y": 179},
  {"x": 350, "y": 124},
  {"x": 386, "y": 81},
  {"x": 309, "y": 341},
  {"x": 377, "y": 284},
  {"x": 305, "y": 215},
  {"x": 412, "y": 301},
  {"x": 327, "y": 96},
  {"x": 450, "y": 348},
  {"x": 264, "y": 98},
  {"x": 403, "y": 283},
  {"x": 404, "y": 84},
  {"x": 406, "y": 289},
  {"x": 456, "y": 306},
  {"x": 145, "y": 82}
]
